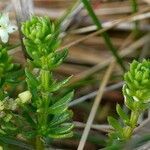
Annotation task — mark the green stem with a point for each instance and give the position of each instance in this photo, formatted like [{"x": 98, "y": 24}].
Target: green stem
[
  {"x": 134, "y": 5},
  {"x": 45, "y": 81},
  {"x": 128, "y": 131},
  {"x": 106, "y": 37},
  {"x": 43, "y": 115},
  {"x": 39, "y": 143}
]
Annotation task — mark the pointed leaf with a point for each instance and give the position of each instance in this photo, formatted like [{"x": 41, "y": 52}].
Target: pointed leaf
[
  {"x": 114, "y": 123},
  {"x": 14, "y": 77},
  {"x": 64, "y": 128},
  {"x": 34, "y": 82},
  {"x": 29, "y": 47},
  {"x": 122, "y": 114},
  {"x": 58, "y": 136},
  {"x": 29, "y": 118},
  {"x": 58, "y": 119},
  {"x": 16, "y": 142},
  {"x": 59, "y": 58},
  {"x": 61, "y": 105},
  {"x": 56, "y": 86},
  {"x": 128, "y": 99}
]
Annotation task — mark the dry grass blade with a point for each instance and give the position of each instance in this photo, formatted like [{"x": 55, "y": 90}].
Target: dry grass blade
[
  {"x": 147, "y": 1},
  {"x": 102, "y": 127},
  {"x": 93, "y": 94},
  {"x": 69, "y": 16},
  {"x": 137, "y": 16},
  {"x": 23, "y": 9},
  {"x": 144, "y": 127},
  {"x": 95, "y": 106},
  {"x": 124, "y": 52}
]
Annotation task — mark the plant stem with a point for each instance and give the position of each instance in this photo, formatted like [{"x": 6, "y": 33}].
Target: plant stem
[
  {"x": 106, "y": 37},
  {"x": 39, "y": 143},
  {"x": 134, "y": 6},
  {"x": 128, "y": 131},
  {"x": 45, "y": 81},
  {"x": 43, "y": 115}
]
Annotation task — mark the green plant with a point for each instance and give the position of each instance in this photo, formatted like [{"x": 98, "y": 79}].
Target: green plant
[
  {"x": 136, "y": 91},
  {"x": 50, "y": 114},
  {"x": 41, "y": 111}
]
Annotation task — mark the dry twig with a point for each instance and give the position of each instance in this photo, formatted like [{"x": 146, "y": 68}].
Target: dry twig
[{"x": 95, "y": 106}]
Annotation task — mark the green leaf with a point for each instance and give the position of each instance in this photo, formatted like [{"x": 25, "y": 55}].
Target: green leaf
[
  {"x": 29, "y": 134},
  {"x": 29, "y": 47},
  {"x": 2, "y": 132},
  {"x": 58, "y": 136},
  {"x": 61, "y": 129},
  {"x": 14, "y": 77},
  {"x": 16, "y": 142},
  {"x": 33, "y": 81},
  {"x": 114, "y": 123},
  {"x": 9, "y": 127},
  {"x": 58, "y": 119},
  {"x": 128, "y": 99},
  {"x": 56, "y": 86},
  {"x": 59, "y": 57},
  {"x": 29, "y": 119},
  {"x": 122, "y": 114},
  {"x": 61, "y": 105}
]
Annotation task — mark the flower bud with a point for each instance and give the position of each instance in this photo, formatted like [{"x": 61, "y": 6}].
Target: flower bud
[
  {"x": 24, "y": 97},
  {"x": 1, "y": 148}
]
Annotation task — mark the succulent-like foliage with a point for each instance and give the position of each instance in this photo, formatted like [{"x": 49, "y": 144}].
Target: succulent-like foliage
[
  {"x": 6, "y": 64},
  {"x": 41, "y": 42},
  {"x": 50, "y": 115},
  {"x": 7, "y": 105},
  {"x": 9, "y": 71},
  {"x": 136, "y": 91},
  {"x": 137, "y": 83},
  {"x": 9, "y": 121}
]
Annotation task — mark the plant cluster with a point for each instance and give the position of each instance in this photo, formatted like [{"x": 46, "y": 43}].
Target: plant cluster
[
  {"x": 41, "y": 41},
  {"x": 136, "y": 91},
  {"x": 41, "y": 111}
]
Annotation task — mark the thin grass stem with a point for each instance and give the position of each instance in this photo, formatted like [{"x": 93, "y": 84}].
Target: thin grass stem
[{"x": 106, "y": 37}]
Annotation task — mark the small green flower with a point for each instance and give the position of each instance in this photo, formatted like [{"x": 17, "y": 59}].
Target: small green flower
[{"x": 6, "y": 27}]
